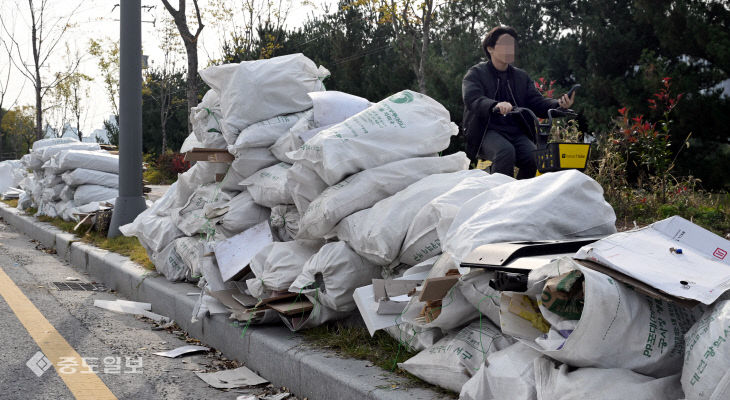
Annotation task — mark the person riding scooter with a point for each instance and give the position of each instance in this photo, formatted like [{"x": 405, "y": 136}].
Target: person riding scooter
[{"x": 490, "y": 91}]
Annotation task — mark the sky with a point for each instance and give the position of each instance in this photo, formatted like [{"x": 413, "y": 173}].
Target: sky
[{"x": 99, "y": 19}]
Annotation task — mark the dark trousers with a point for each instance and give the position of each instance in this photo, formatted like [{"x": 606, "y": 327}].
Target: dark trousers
[{"x": 506, "y": 151}]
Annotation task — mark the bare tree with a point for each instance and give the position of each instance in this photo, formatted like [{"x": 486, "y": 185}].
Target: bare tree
[
  {"x": 46, "y": 33},
  {"x": 191, "y": 47},
  {"x": 6, "y": 70}
]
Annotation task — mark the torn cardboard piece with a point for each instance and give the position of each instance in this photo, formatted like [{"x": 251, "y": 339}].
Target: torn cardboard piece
[
  {"x": 209, "y": 155},
  {"x": 674, "y": 256},
  {"x": 436, "y": 288},
  {"x": 231, "y": 378},
  {"x": 235, "y": 253},
  {"x": 392, "y": 295}
]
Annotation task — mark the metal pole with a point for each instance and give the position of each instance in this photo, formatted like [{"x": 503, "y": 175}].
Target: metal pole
[{"x": 130, "y": 201}]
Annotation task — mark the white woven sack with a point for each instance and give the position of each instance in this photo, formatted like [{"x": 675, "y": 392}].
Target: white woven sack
[
  {"x": 86, "y": 194},
  {"x": 506, "y": 374},
  {"x": 268, "y": 187},
  {"x": 206, "y": 118},
  {"x": 202, "y": 173},
  {"x": 618, "y": 327},
  {"x": 565, "y": 383},
  {"x": 341, "y": 270},
  {"x": 422, "y": 241},
  {"x": 265, "y": 133},
  {"x": 454, "y": 359},
  {"x": 284, "y": 222},
  {"x": 83, "y": 176},
  {"x": 254, "y": 91},
  {"x": 363, "y": 189},
  {"x": 241, "y": 213},
  {"x": 405, "y": 125},
  {"x": 333, "y": 107},
  {"x": 377, "y": 233},
  {"x": 40, "y": 144},
  {"x": 95, "y": 160},
  {"x": 50, "y": 151},
  {"x": 304, "y": 185},
  {"x": 552, "y": 206},
  {"x": 706, "y": 371},
  {"x": 277, "y": 265}
]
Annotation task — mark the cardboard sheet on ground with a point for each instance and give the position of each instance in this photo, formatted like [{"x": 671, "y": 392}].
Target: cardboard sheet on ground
[
  {"x": 183, "y": 350},
  {"x": 701, "y": 272},
  {"x": 235, "y": 253},
  {"x": 231, "y": 378},
  {"x": 368, "y": 306}
]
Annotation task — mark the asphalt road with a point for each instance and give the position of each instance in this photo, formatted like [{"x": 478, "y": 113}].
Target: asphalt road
[{"x": 99, "y": 336}]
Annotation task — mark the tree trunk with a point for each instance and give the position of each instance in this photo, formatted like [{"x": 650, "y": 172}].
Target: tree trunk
[
  {"x": 421, "y": 73},
  {"x": 38, "y": 107},
  {"x": 191, "y": 49}
]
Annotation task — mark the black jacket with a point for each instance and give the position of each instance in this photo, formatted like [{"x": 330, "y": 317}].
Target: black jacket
[{"x": 478, "y": 89}]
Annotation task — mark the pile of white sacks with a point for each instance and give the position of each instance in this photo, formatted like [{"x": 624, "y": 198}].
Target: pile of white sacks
[
  {"x": 354, "y": 190},
  {"x": 68, "y": 177}
]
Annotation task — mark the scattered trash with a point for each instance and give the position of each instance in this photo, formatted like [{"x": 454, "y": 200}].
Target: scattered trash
[
  {"x": 181, "y": 351},
  {"x": 303, "y": 205},
  {"x": 232, "y": 378}
]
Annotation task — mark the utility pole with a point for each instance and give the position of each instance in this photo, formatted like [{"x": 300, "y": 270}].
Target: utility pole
[{"x": 130, "y": 201}]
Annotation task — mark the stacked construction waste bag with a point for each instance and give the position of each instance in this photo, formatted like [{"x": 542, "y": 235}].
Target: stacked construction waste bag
[
  {"x": 68, "y": 177},
  {"x": 328, "y": 191}
]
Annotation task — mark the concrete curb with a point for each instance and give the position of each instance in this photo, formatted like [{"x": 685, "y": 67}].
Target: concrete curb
[{"x": 272, "y": 351}]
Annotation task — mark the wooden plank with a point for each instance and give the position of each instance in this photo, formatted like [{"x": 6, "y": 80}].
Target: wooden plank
[
  {"x": 210, "y": 155},
  {"x": 437, "y": 288},
  {"x": 292, "y": 307},
  {"x": 277, "y": 298}
]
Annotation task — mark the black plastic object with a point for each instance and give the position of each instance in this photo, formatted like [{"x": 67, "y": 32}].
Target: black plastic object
[{"x": 509, "y": 281}]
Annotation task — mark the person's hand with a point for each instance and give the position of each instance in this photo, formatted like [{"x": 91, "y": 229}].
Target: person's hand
[
  {"x": 503, "y": 107},
  {"x": 565, "y": 101}
]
